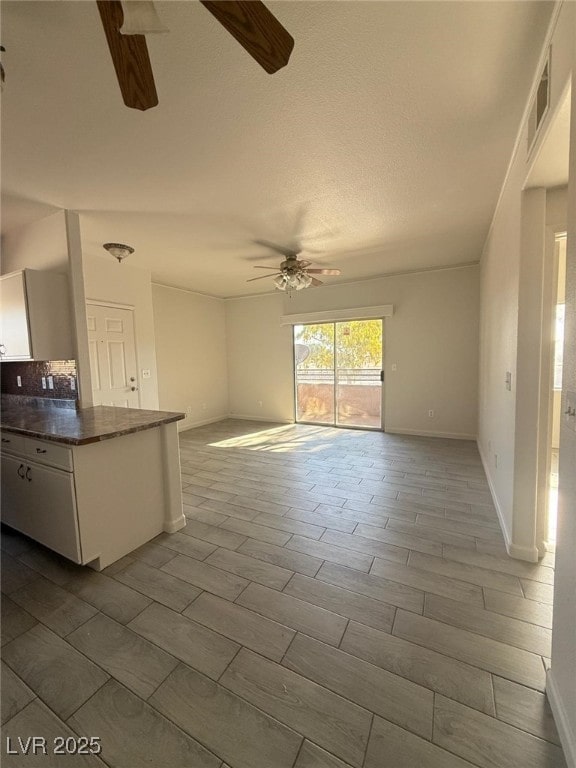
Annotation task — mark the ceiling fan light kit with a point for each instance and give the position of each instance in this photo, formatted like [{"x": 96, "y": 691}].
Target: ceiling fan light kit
[
  {"x": 141, "y": 18},
  {"x": 286, "y": 281}
]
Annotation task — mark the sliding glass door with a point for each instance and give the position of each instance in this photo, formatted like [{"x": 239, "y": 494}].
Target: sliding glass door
[{"x": 338, "y": 370}]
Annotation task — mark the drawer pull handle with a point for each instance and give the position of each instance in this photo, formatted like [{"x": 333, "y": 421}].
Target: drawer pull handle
[
  {"x": 21, "y": 471},
  {"x": 41, "y": 450},
  {"x": 28, "y": 470}
]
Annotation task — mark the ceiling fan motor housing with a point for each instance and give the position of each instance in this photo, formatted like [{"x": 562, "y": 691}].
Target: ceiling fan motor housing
[{"x": 291, "y": 266}]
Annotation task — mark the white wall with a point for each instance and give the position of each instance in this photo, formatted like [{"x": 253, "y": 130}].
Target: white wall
[
  {"x": 505, "y": 270},
  {"x": 260, "y": 364},
  {"x": 190, "y": 332},
  {"x": 432, "y": 338},
  {"x": 561, "y": 684},
  {"x": 39, "y": 245},
  {"x": 500, "y": 286},
  {"x": 557, "y": 208},
  {"x": 108, "y": 281}
]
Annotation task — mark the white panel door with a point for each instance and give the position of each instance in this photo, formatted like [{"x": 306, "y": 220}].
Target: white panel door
[{"x": 112, "y": 356}]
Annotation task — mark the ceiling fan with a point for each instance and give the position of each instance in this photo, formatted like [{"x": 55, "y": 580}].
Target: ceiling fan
[
  {"x": 293, "y": 273},
  {"x": 249, "y": 21}
]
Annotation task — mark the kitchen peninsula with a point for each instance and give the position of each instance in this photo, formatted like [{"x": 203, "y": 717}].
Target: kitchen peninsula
[{"x": 91, "y": 484}]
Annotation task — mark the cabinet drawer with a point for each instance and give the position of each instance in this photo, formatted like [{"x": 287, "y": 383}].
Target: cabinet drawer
[
  {"x": 11, "y": 442},
  {"x": 43, "y": 451}
]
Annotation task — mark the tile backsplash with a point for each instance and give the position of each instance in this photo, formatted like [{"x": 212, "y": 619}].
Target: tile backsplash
[{"x": 33, "y": 374}]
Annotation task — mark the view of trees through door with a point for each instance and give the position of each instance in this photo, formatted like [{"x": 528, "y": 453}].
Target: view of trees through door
[{"x": 338, "y": 373}]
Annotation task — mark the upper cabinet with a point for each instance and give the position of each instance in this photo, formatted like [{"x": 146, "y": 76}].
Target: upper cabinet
[{"x": 35, "y": 321}]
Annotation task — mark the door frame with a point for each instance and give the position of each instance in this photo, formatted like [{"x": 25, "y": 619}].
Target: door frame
[
  {"x": 132, "y": 309},
  {"x": 546, "y": 412},
  {"x": 334, "y": 322}
]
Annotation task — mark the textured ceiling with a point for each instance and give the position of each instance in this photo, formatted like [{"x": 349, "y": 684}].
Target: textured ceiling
[{"x": 382, "y": 145}]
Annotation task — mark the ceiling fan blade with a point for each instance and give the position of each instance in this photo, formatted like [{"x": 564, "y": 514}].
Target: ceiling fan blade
[
  {"x": 261, "y": 278},
  {"x": 316, "y": 282},
  {"x": 324, "y": 271},
  {"x": 256, "y": 29},
  {"x": 288, "y": 252},
  {"x": 259, "y": 266},
  {"x": 303, "y": 264},
  {"x": 130, "y": 58}
]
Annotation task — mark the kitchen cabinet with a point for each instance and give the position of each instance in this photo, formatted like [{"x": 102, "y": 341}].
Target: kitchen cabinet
[
  {"x": 35, "y": 322},
  {"x": 94, "y": 502},
  {"x": 40, "y": 501}
]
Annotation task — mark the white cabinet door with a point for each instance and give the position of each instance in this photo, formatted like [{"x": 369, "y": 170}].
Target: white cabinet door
[
  {"x": 40, "y": 502},
  {"x": 35, "y": 319},
  {"x": 13, "y": 490},
  {"x": 112, "y": 356},
  {"x": 14, "y": 335}
]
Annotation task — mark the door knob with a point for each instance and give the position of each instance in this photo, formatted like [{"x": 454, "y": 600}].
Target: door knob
[{"x": 133, "y": 389}]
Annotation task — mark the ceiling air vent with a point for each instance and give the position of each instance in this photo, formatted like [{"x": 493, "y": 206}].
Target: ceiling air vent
[{"x": 539, "y": 105}]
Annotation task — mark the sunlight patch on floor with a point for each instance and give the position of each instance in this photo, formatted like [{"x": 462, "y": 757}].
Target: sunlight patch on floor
[{"x": 276, "y": 440}]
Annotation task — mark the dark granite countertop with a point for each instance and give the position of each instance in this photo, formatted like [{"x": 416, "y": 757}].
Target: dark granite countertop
[{"x": 78, "y": 427}]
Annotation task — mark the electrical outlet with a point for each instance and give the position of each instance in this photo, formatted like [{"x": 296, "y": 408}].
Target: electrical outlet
[
  {"x": 50, "y": 382},
  {"x": 43, "y": 382},
  {"x": 146, "y": 373},
  {"x": 73, "y": 383},
  {"x": 431, "y": 413},
  {"x": 394, "y": 367},
  {"x": 508, "y": 381},
  {"x": 18, "y": 381},
  {"x": 188, "y": 410},
  {"x": 259, "y": 403}
]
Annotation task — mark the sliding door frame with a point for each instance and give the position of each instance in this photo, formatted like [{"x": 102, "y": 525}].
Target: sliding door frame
[{"x": 335, "y": 424}]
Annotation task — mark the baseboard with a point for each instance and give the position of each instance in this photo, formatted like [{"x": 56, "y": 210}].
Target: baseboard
[
  {"x": 517, "y": 551},
  {"x": 503, "y": 526},
  {"x": 246, "y": 417},
  {"x": 563, "y": 725},
  {"x": 185, "y": 424},
  {"x": 529, "y": 554},
  {"x": 175, "y": 525},
  {"x": 423, "y": 433}
]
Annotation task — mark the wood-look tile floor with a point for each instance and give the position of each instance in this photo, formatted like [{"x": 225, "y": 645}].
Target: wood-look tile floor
[{"x": 337, "y": 599}]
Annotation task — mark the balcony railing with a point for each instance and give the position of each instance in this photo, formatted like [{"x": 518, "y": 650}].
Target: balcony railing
[
  {"x": 342, "y": 375},
  {"x": 357, "y": 392}
]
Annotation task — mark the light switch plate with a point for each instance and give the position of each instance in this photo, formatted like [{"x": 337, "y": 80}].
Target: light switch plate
[
  {"x": 43, "y": 382},
  {"x": 50, "y": 382}
]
